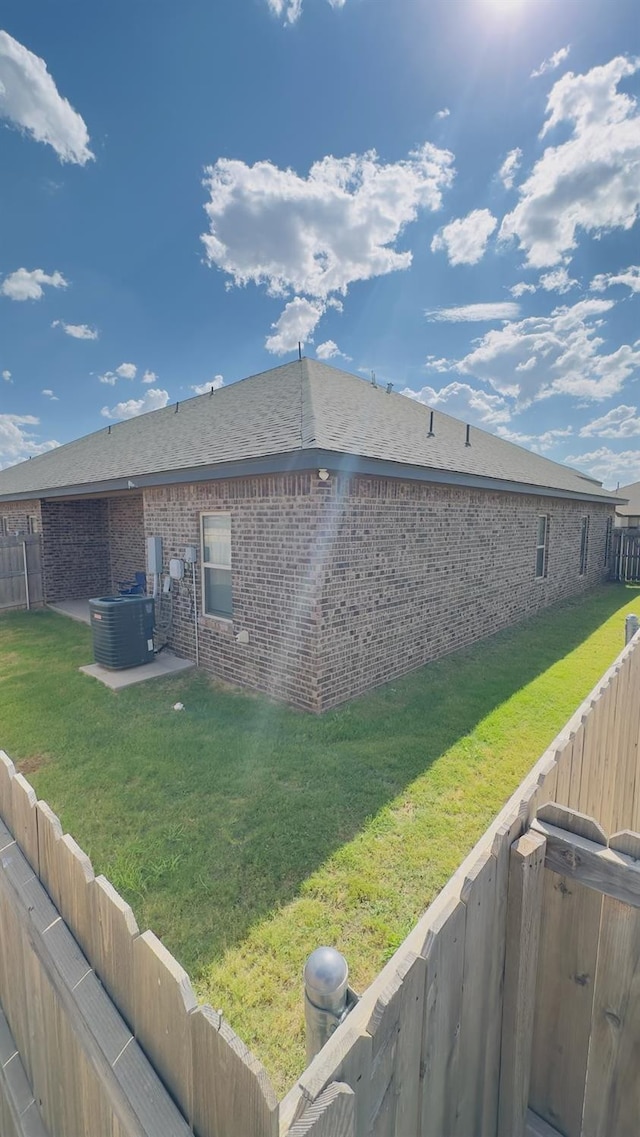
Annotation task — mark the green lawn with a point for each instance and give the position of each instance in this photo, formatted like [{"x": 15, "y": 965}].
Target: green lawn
[{"x": 246, "y": 834}]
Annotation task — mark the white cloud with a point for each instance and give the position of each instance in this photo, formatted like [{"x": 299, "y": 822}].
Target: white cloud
[
  {"x": 538, "y": 442},
  {"x": 567, "y": 353},
  {"x": 557, "y": 281},
  {"x": 29, "y": 99},
  {"x": 515, "y": 436},
  {"x": 319, "y": 234},
  {"x": 330, "y": 350},
  {"x": 153, "y": 400},
  {"x": 6, "y": 375},
  {"x": 444, "y": 113},
  {"x": 291, "y": 10},
  {"x": 25, "y": 285},
  {"x": 510, "y": 167},
  {"x": 465, "y": 239},
  {"x": 608, "y": 466},
  {"x": 124, "y": 371},
  {"x": 588, "y": 183},
  {"x": 149, "y": 377},
  {"x": 295, "y": 324},
  {"x": 465, "y": 402},
  {"x": 205, "y": 388},
  {"x": 628, "y": 276},
  {"x": 620, "y": 422},
  {"x": 16, "y": 443},
  {"x": 500, "y": 310},
  {"x": 552, "y": 62},
  {"x": 77, "y": 331},
  {"x": 50, "y": 395},
  {"x": 519, "y": 289}
]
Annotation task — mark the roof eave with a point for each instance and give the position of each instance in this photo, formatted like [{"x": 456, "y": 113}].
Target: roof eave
[{"x": 305, "y": 459}]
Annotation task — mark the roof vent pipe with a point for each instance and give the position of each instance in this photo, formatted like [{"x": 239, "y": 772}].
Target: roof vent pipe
[
  {"x": 373, "y": 379},
  {"x": 176, "y": 410},
  {"x": 389, "y": 388},
  {"x": 431, "y": 433},
  {"x": 467, "y": 441}
]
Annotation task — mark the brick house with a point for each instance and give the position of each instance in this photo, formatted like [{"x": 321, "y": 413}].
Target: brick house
[{"x": 345, "y": 534}]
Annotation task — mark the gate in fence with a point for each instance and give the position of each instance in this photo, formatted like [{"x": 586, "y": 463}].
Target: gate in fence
[
  {"x": 626, "y": 557},
  {"x": 21, "y": 571}
]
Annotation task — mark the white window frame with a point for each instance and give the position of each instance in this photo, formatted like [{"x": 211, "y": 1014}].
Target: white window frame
[
  {"x": 32, "y": 524},
  {"x": 584, "y": 546},
  {"x": 544, "y": 545},
  {"x": 214, "y": 565}
]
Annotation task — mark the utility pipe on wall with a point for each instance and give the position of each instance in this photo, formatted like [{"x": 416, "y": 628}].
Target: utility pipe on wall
[{"x": 195, "y": 610}]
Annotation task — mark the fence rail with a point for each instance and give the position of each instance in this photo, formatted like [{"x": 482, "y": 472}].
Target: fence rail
[
  {"x": 422, "y": 1054},
  {"x": 21, "y": 571}
]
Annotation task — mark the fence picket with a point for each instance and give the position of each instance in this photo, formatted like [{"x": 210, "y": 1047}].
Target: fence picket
[
  {"x": 332, "y": 1115},
  {"x": 7, "y": 774},
  {"x": 478, "y": 894},
  {"x": 115, "y": 929},
  {"x": 163, "y": 1001},
  {"x": 444, "y": 956},
  {"x": 23, "y": 810},
  {"x": 232, "y": 1094}
]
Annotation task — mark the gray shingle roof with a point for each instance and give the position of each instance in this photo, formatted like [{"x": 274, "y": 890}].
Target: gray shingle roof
[{"x": 304, "y": 405}]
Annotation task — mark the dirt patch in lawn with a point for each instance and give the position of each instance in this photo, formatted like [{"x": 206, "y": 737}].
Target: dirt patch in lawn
[{"x": 32, "y": 764}]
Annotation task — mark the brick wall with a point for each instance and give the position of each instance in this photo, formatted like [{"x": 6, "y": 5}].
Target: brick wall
[
  {"x": 126, "y": 538},
  {"x": 16, "y": 514},
  {"x": 75, "y": 546},
  {"x": 346, "y": 584},
  {"x": 413, "y": 571}
]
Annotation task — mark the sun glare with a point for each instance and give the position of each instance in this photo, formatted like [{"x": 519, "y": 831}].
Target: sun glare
[{"x": 504, "y": 7}]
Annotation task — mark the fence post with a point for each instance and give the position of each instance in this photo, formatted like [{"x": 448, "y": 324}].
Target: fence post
[
  {"x": 631, "y": 626},
  {"x": 26, "y": 574},
  {"x": 326, "y": 975}
]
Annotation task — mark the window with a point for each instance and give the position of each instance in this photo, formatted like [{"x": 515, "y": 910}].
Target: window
[
  {"x": 216, "y": 564},
  {"x": 584, "y": 545},
  {"x": 542, "y": 546},
  {"x": 607, "y": 541},
  {"x": 32, "y": 524}
]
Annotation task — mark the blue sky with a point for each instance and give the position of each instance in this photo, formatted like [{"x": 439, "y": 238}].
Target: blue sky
[{"x": 446, "y": 192}]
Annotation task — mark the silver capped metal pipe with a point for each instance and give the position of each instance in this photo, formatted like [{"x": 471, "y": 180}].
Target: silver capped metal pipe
[
  {"x": 631, "y": 625},
  {"x": 326, "y": 996}
]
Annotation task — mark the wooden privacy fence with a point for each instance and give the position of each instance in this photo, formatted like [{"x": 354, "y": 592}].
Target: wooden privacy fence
[
  {"x": 625, "y": 559},
  {"x": 579, "y": 1005},
  {"x": 423, "y": 1053},
  {"x": 21, "y": 571},
  {"x": 97, "y": 1015},
  {"x": 442, "y": 1043}
]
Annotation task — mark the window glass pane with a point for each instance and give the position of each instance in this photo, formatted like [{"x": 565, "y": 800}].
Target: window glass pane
[
  {"x": 542, "y": 526},
  {"x": 217, "y": 592},
  {"x": 216, "y": 532},
  {"x": 540, "y": 562}
]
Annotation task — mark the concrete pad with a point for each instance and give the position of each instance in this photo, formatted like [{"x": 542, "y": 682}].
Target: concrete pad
[
  {"x": 76, "y": 609},
  {"x": 166, "y": 663}
]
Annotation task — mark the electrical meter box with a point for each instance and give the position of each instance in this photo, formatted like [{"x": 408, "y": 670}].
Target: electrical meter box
[
  {"x": 154, "y": 554},
  {"x": 191, "y": 554},
  {"x": 176, "y": 568}
]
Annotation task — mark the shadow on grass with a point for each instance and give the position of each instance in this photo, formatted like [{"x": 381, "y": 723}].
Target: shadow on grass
[{"x": 209, "y": 819}]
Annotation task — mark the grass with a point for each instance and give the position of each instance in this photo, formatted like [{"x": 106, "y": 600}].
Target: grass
[{"x": 245, "y": 834}]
